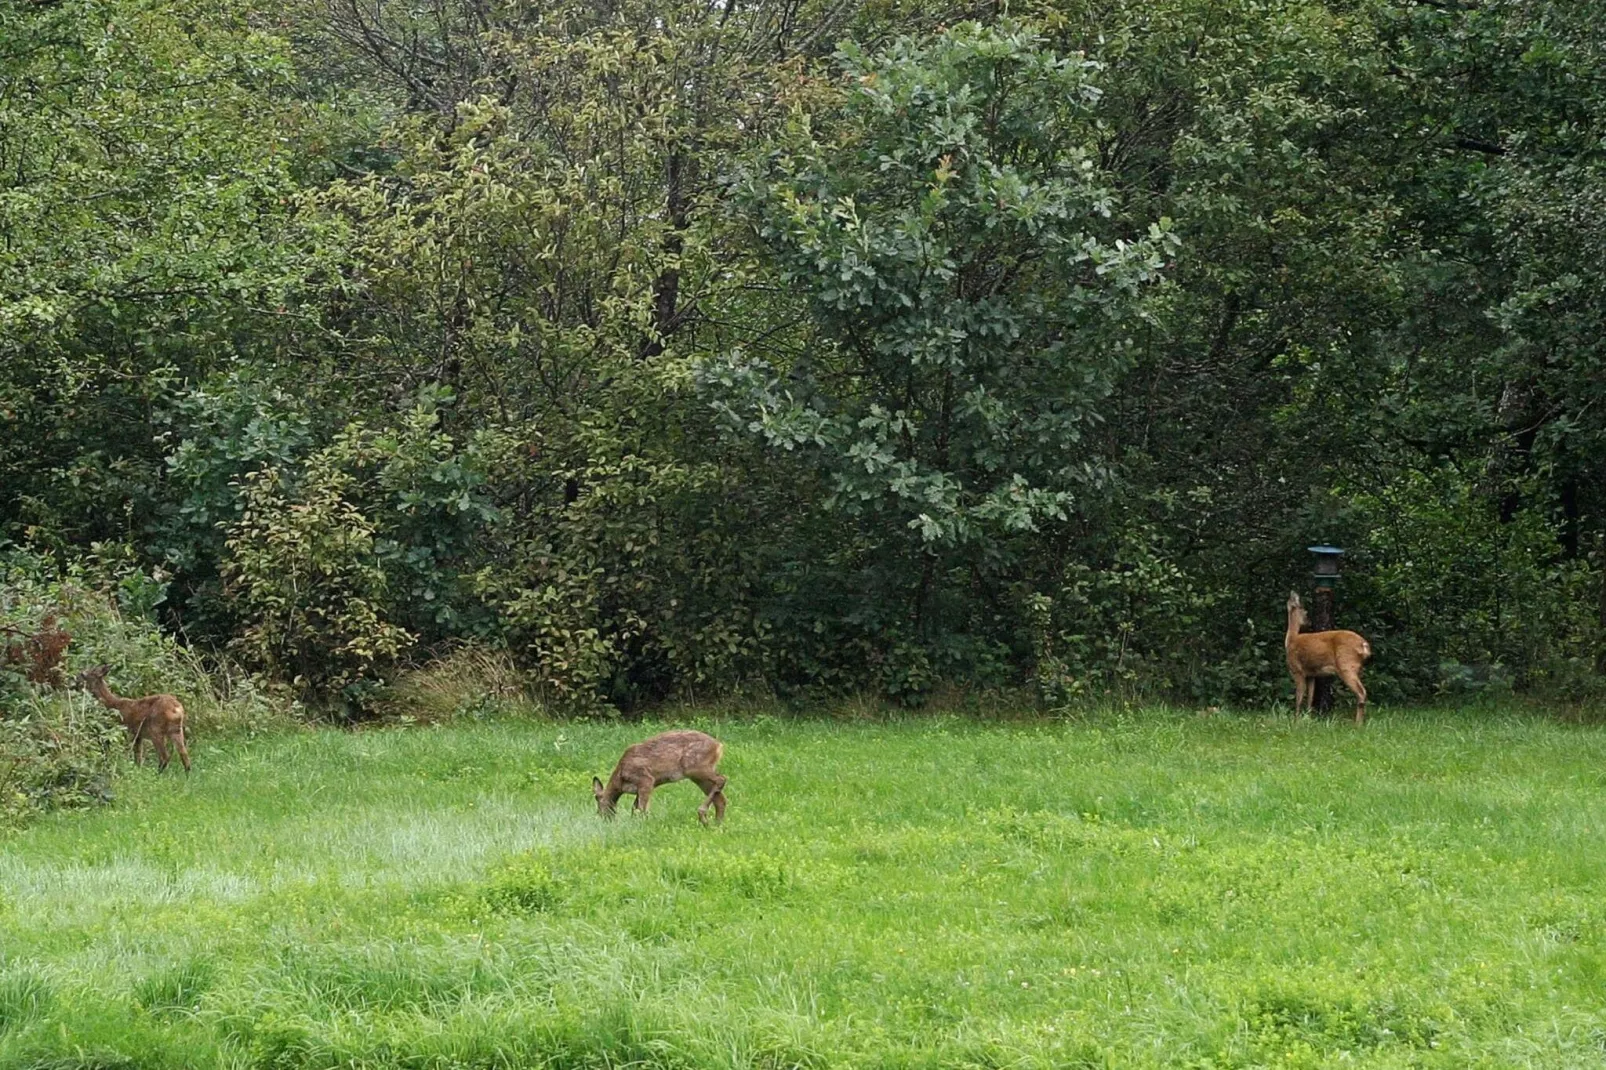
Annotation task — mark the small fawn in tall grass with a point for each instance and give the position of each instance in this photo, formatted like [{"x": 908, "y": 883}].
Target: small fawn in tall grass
[
  {"x": 1312, "y": 654},
  {"x": 158, "y": 718},
  {"x": 665, "y": 759}
]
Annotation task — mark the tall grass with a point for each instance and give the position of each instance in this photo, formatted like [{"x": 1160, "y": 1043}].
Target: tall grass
[
  {"x": 469, "y": 681},
  {"x": 1151, "y": 890}
]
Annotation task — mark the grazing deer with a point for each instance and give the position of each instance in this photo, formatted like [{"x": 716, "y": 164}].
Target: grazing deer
[
  {"x": 158, "y": 718},
  {"x": 1335, "y": 653},
  {"x": 663, "y": 760}
]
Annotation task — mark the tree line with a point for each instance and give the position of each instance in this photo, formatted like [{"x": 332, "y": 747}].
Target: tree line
[{"x": 815, "y": 346}]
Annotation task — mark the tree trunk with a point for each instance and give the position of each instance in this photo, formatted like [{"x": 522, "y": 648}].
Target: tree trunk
[{"x": 666, "y": 288}]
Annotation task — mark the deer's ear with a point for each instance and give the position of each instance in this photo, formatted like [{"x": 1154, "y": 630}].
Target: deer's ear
[{"x": 596, "y": 785}]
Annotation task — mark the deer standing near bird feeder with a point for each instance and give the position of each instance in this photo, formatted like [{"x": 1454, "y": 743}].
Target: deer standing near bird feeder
[{"x": 1334, "y": 653}]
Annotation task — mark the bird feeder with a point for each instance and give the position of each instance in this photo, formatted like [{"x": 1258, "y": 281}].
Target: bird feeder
[{"x": 1325, "y": 571}]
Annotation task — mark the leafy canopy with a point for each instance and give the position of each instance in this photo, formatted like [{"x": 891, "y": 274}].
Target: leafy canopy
[{"x": 970, "y": 277}]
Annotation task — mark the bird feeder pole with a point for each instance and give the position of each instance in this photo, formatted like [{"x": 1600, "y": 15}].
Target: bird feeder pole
[{"x": 1325, "y": 574}]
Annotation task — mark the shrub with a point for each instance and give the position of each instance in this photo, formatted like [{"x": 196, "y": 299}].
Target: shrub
[
  {"x": 303, "y": 564},
  {"x": 54, "y": 752}
]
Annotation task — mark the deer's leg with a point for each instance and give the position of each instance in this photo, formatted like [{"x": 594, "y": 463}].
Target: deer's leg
[
  {"x": 139, "y": 745},
  {"x": 714, "y": 790},
  {"x": 1299, "y": 693},
  {"x": 706, "y": 783},
  {"x": 161, "y": 752},
  {"x": 183, "y": 751},
  {"x": 1352, "y": 680},
  {"x": 643, "y": 798}
]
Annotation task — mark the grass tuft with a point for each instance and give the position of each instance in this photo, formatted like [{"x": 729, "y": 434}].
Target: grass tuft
[
  {"x": 24, "y": 996},
  {"x": 174, "y": 991}
]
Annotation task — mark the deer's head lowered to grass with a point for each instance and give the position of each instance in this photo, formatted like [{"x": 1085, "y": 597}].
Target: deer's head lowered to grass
[
  {"x": 158, "y": 718},
  {"x": 1312, "y": 654},
  {"x": 664, "y": 759}
]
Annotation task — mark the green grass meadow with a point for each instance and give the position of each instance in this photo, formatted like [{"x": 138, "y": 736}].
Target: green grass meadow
[{"x": 1152, "y": 890}]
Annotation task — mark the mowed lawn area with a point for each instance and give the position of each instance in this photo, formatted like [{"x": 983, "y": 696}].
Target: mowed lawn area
[{"x": 1159, "y": 889}]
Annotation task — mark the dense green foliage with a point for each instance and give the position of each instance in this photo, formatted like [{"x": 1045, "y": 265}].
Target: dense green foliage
[
  {"x": 1164, "y": 890},
  {"x": 679, "y": 349}
]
